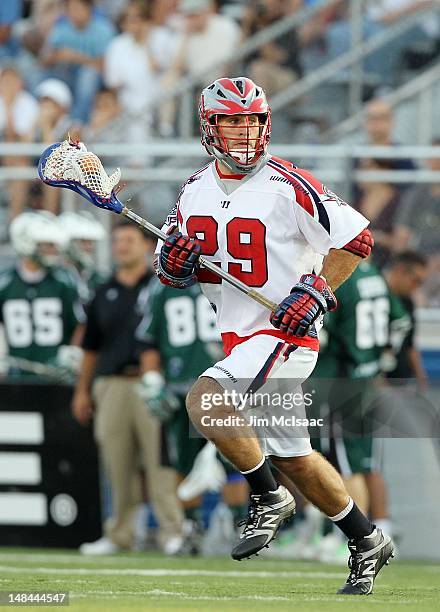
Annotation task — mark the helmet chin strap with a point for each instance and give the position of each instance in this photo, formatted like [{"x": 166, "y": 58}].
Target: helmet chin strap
[{"x": 235, "y": 165}]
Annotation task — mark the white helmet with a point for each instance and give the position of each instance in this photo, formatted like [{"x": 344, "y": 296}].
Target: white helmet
[
  {"x": 30, "y": 229},
  {"x": 81, "y": 226}
]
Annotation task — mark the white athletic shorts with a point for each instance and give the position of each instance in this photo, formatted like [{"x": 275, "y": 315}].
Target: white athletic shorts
[{"x": 266, "y": 363}]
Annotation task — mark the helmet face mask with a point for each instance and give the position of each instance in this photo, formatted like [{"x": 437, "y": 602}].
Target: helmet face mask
[
  {"x": 48, "y": 254},
  {"x": 39, "y": 236},
  {"x": 83, "y": 253},
  {"x": 241, "y": 143},
  {"x": 84, "y": 232}
]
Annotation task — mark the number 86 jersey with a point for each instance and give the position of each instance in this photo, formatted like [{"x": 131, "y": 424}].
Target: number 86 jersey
[{"x": 267, "y": 229}]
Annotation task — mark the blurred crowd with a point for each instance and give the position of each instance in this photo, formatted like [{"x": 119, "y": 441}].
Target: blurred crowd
[{"x": 104, "y": 70}]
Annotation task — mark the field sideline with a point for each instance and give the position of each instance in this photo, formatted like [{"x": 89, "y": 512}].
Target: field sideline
[{"x": 154, "y": 582}]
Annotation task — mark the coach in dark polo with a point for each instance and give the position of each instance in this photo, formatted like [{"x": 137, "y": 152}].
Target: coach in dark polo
[{"x": 125, "y": 432}]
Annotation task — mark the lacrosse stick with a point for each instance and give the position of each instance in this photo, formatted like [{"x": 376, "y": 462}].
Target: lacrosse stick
[
  {"x": 68, "y": 164},
  {"x": 35, "y": 367}
]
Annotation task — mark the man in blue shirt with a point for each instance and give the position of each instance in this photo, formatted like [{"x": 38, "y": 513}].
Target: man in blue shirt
[
  {"x": 10, "y": 11},
  {"x": 74, "y": 50}
]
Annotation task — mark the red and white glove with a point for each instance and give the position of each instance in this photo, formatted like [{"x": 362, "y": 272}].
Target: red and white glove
[
  {"x": 308, "y": 299},
  {"x": 178, "y": 261}
]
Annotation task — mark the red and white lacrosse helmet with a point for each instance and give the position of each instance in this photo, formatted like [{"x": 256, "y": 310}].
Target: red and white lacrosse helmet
[{"x": 236, "y": 96}]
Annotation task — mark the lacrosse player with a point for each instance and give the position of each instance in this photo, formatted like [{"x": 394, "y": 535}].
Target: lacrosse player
[
  {"x": 40, "y": 303},
  {"x": 277, "y": 228},
  {"x": 179, "y": 338},
  {"x": 357, "y": 343},
  {"x": 84, "y": 232}
]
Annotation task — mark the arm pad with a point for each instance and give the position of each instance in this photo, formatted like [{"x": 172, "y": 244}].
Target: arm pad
[{"x": 361, "y": 244}]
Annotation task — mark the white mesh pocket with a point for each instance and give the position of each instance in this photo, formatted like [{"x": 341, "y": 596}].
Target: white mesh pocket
[{"x": 70, "y": 162}]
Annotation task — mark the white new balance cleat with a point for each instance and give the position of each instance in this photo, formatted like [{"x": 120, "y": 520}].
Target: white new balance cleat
[
  {"x": 103, "y": 546},
  {"x": 333, "y": 549},
  {"x": 207, "y": 474},
  {"x": 266, "y": 515}
]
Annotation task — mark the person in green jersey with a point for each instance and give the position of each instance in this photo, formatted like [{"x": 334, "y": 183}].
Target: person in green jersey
[
  {"x": 405, "y": 275},
  {"x": 85, "y": 232},
  {"x": 179, "y": 340},
  {"x": 40, "y": 303},
  {"x": 355, "y": 344}
]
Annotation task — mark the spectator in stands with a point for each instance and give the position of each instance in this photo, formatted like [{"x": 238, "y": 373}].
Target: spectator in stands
[
  {"x": 208, "y": 40},
  {"x": 109, "y": 124},
  {"x": 53, "y": 121},
  {"x": 113, "y": 8},
  {"x": 379, "y": 131},
  {"x": 382, "y": 14},
  {"x": 74, "y": 52},
  {"x": 18, "y": 113},
  {"x": 34, "y": 32},
  {"x": 418, "y": 227},
  {"x": 135, "y": 61},
  {"x": 52, "y": 125},
  {"x": 106, "y": 123},
  {"x": 406, "y": 274},
  {"x": 124, "y": 430},
  {"x": 333, "y": 26},
  {"x": 205, "y": 45},
  {"x": 164, "y": 13},
  {"x": 379, "y": 202},
  {"x": 418, "y": 219},
  {"x": 277, "y": 64},
  {"x": 10, "y": 12},
  {"x": 379, "y": 127}
]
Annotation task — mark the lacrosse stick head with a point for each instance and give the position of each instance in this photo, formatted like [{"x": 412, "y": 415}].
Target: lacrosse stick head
[{"x": 68, "y": 164}]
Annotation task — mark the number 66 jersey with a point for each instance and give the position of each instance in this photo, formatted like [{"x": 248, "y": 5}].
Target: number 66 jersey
[{"x": 267, "y": 229}]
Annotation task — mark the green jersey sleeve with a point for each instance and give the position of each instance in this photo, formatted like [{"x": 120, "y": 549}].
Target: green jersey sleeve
[{"x": 150, "y": 306}]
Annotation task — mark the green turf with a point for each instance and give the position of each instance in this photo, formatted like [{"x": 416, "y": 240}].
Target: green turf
[{"x": 154, "y": 582}]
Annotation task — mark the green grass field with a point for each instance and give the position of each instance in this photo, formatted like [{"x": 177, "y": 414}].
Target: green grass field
[{"x": 154, "y": 582}]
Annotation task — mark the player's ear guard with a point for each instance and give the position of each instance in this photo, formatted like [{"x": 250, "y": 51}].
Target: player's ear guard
[
  {"x": 178, "y": 261},
  {"x": 361, "y": 244}
]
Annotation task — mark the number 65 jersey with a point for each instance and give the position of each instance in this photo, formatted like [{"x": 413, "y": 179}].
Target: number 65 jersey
[
  {"x": 271, "y": 228},
  {"x": 41, "y": 315}
]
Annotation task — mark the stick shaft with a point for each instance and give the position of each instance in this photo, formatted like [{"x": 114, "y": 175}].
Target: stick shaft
[
  {"x": 238, "y": 284},
  {"x": 36, "y": 367}
]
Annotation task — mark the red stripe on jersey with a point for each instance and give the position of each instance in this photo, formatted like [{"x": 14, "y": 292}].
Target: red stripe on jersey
[
  {"x": 231, "y": 340},
  {"x": 311, "y": 179},
  {"x": 179, "y": 217},
  {"x": 287, "y": 164},
  {"x": 302, "y": 198}
]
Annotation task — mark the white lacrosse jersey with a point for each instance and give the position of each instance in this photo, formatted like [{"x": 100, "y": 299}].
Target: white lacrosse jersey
[{"x": 276, "y": 225}]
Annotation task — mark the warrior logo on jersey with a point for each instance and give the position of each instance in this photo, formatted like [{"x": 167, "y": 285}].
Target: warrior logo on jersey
[
  {"x": 171, "y": 220},
  {"x": 333, "y": 196}
]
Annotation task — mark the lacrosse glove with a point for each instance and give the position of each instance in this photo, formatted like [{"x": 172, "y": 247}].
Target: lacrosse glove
[
  {"x": 308, "y": 299},
  {"x": 160, "y": 401},
  {"x": 177, "y": 264}
]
